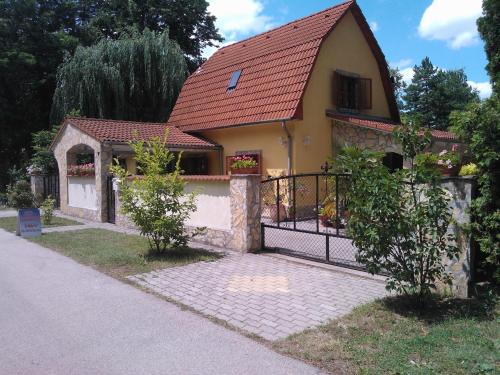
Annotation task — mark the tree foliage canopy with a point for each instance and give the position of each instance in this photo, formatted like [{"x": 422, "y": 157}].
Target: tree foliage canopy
[
  {"x": 36, "y": 35},
  {"x": 434, "y": 93},
  {"x": 131, "y": 78},
  {"x": 490, "y": 32},
  {"x": 399, "y": 221}
]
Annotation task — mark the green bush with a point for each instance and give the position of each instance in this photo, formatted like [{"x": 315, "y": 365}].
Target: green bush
[
  {"x": 48, "y": 210},
  {"x": 19, "y": 195},
  {"x": 399, "y": 221},
  {"x": 470, "y": 169},
  {"x": 156, "y": 201},
  {"x": 479, "y": 127}
]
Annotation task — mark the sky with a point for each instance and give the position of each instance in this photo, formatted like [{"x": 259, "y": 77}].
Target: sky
[{"x": 406, "y": 30}]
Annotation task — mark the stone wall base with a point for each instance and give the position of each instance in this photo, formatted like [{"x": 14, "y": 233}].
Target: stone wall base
[{"x": 82, "y": 213}]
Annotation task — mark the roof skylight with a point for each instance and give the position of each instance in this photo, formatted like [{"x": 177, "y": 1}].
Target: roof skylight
[{"x": 234, "y": 80}]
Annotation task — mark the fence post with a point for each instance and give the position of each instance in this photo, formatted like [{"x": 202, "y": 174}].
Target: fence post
[{"x": 37, "y": 186}]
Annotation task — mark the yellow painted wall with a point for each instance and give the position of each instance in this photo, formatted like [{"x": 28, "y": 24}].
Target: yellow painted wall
[
  {"x": 265, "y": 137},
  {"x": 345, "y": 49}
]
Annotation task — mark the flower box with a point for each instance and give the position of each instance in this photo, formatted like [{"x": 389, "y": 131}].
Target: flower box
[
  {"x": 81, "y": 170},
  {"x": 249, "y": 170}
]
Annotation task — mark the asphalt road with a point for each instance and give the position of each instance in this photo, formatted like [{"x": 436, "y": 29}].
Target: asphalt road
[{"x": 59, "y": 317}]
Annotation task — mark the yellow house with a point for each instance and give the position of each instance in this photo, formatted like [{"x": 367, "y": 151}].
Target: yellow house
[{"x": 287, "y": 95}]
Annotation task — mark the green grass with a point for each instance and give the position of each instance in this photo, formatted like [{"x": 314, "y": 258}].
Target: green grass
[
  {"x": 392, "y": 336},
  {"x": 10, "y": 223},
  {"x": 117, "y": 254}
]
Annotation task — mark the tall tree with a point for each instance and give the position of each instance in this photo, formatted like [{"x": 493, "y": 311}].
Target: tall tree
[
  {"x": 34, "y": 36},
  {"x": 479, "y": 127},
  {"x": 188, "y": 22},
  {"x": 135, "y": 77},
  {"x": 490, "y": 32},
  {"x": 434, "y": 93},
  {"x": 398, "y": 85}
]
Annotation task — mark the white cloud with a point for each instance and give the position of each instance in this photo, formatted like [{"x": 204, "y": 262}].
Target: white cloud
[
  {"x": 484, "y": 88},
  {"x": 239, "y": 18},
  {"x": 452, "y": 21},
  {"x": 374, "y": 26},
  {"x": 400, "y": 64},
  {"x": 407, "y": 74},
  {"x": 405, "y": 68}
]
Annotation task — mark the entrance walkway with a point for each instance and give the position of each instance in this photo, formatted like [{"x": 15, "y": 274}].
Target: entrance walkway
[{"x": 270, "y": 297}]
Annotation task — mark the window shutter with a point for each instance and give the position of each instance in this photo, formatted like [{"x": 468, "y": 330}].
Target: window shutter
[
  {"x": 365, "y": 85},
  {"x": 335, "y": 89}
]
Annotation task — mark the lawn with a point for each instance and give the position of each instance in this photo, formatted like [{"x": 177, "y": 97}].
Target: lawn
[
  {"x": 117, "y": 254},
  {"x": 10, "y": 223},
  {"x": 392, "y": 337}
]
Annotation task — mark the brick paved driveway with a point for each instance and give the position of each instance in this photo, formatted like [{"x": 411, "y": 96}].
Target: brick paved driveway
[{"x": 270, "y": 297}]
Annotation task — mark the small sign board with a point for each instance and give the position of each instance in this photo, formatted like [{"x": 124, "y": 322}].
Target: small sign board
[{"x": 28, "y": 222}]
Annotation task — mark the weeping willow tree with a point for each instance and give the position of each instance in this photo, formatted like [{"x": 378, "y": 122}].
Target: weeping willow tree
[{"x": 136, "y": 77}]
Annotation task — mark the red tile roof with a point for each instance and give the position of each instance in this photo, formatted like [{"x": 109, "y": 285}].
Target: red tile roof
[
  {"x": 123, "y": 131},
  {"x": 385, "y": 126},
  {"x": 275, "y": 65}
]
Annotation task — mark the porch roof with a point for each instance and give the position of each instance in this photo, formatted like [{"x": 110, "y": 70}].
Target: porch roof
[
  {"x": 118, "y": 131},
  {"x": 383, "y": 125}
]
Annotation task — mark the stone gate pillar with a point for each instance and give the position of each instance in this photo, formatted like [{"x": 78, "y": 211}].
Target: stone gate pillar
[{"x": 245, "y": 212}]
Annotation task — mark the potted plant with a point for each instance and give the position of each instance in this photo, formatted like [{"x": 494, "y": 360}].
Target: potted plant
[
  {"x": 470, "y": 169},
  {"x": 448, "y": 162},
  {"x": 328, "y": 215},
  {"x": 244, "y": 164}
]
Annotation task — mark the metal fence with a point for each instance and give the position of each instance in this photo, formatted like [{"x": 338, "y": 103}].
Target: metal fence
[
  {"x": 305, "y": 215},
  {"x": 51, "y": 187}
]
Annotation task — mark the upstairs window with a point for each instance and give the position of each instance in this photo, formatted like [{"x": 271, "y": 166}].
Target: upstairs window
[
  {"x": 351, "y": 92},
  {"x": 234, "y": 80}
]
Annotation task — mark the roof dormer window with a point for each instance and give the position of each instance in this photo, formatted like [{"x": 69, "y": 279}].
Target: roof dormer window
[{"x": 234, "y": 80}]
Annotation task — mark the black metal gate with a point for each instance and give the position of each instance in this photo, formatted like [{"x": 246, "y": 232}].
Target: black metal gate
[
  {"x": 51, "y": 187},
  {"x": 110, "y": 193},
  {"x": 305, "y": 215}
]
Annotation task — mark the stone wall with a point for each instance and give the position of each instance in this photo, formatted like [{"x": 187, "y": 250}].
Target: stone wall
[
  {"x": 460, "y": 191},
  {"x": 350, "y": 135},
  {"x": 245, "y": 205}
]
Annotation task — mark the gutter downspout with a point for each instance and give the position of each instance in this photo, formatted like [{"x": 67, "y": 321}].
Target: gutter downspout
[{"x": 289, "y": 144}]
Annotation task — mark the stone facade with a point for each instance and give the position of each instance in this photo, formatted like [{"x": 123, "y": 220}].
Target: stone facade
[
  {"x": 70, "y": 139},
  {"x": 460, "y": 193},
  {"x": 350, "y": 135},
  {"x": 245, "y": 235}
]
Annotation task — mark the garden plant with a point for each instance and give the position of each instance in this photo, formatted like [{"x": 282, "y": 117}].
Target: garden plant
[
  {"x": 399, "y": 221},
  {"x": 156, "y": 201}
]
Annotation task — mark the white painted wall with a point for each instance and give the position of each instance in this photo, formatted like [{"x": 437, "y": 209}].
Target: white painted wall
[
  {"x": 82, "y": 192},
  {"x": 212, "y": 203}
]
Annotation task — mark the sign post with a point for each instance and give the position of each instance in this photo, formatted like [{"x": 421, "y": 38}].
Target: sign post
[{"x": 28, "y": 222}]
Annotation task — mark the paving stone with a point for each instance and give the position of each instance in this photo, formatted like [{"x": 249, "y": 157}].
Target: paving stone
[{"x": 270, "y": 297}]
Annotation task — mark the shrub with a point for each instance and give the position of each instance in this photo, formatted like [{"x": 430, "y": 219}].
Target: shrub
[
  {"x": 399, "y": 221},
  {"x": 479, "y": 127},
  {"x": 156, "y": 201},
  {"x": 19, "y": 195},
  {"x": 470, "y": 169},
  {"x": 48, "y": 210}
]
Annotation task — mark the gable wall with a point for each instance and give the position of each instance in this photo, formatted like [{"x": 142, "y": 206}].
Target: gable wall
[{"x": 345, "y": 49}]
